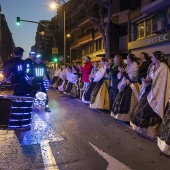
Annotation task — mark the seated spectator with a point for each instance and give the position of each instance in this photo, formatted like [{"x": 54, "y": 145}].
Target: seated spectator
[
  {"x": 56, "y": 75},
  {"x": 72, "y": 78}
]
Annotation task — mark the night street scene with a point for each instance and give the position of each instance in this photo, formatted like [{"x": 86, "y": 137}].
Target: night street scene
[{"x": 85, "y": 85}]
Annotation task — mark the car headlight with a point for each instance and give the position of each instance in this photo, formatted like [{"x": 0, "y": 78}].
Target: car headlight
[{"x": 1, "y": 75}]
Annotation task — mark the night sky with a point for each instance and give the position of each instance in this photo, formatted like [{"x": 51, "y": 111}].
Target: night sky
[{"x": 34, "y": 10}]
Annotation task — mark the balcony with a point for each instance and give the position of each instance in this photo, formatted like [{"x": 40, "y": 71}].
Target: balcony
[
  {"x": 154, "y": 6},
  {"x": 74, "y": 45},
  {"x": 85, "y": 38},
  {"x": 97, "y": 35},
  {"x": 85, "y": 22}
]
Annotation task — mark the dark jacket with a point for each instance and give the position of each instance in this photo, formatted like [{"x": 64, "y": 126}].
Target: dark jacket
[
  {"x": 114, "y": 81},
  {"x": 143, "y": 68},
  {"x": 38, "y": 72},
  {"x": 28, "y": 64}
]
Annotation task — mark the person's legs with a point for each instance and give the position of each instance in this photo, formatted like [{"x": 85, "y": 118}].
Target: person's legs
[
  {"x": 85, "y": 85},
  {"x": 47, "y": 109}
]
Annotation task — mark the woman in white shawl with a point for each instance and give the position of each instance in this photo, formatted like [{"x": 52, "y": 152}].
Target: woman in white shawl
[
  {"x": 128, "y": 91},
  {"x": 62, "y": 80},
  {"x": 87, "y": 93},
  {"x": 149, "y": 112},
  {"x": 72, "y": 77},
  {"x": 100, "y": 95}
]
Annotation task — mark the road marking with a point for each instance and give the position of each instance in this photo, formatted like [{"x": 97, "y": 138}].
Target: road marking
[
  {"x": 114, "y": 164},
  {"x": 42, "y": 134},
  {"x": 47, "y": 155}
]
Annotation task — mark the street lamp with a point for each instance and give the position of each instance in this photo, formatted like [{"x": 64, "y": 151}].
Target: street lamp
[{"x": 55, "y": 5}]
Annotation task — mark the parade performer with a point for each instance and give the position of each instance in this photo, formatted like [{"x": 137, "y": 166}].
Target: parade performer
[
  {"x": 39, "y": 70},
  {"x": 14, "y": 68}
]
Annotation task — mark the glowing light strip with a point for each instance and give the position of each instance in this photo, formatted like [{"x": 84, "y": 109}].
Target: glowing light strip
[
  {"x": 14, "y": 120},
  {"x": 20, "y": 107},
  {"x": 19, "y": 101},
  {"x": 19, "y": 126},
  {"x": 20, "y": 113}
]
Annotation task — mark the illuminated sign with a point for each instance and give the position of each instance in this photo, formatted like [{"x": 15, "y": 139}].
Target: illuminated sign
[{"x": 149, "y": 41}]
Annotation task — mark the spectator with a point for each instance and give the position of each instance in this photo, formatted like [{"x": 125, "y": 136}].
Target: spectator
[
  {"x": 128, "y": 90},
  {"x": 113, "y": 71},
  {"x": 149, "y": 112},
  {"x": 101, "y": 89},
  {"x": 86, "y": 70},
  {"x": 143, "y": 66},
  {"x": 87, "y": 93}
]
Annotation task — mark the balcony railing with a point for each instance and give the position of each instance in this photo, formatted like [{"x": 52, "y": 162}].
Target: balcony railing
[
  {"x": 74, "y": 45},
  {"x": 85, "y": 38}
]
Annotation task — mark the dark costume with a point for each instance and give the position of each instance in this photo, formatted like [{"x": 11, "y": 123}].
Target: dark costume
[
  {"x": 143, "y": 68},
  {"x": 28, "y": 66},
  {"x": 114, "y": 81},
  {"x": 18, "y": 80}
]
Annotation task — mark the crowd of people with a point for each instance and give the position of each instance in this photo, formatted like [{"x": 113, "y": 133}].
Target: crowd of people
[
  {"x": 26, "y": 76},
  {"x": 136, "y": 92}
]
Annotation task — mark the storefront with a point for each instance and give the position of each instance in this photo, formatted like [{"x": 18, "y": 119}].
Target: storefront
[{"x": 160, "y": 42}]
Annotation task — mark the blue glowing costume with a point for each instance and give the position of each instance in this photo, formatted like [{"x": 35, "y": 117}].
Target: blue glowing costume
[{"x": 38, "y": 72}]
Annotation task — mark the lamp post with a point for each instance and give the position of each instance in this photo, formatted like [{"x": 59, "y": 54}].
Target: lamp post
[
  {"x": 64, "y": 34},
  {"x": 55, "y": 5}
]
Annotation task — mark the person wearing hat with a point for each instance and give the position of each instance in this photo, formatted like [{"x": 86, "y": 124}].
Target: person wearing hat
[
  {"x": 14, "y": 68},
  {"x": 29, "y": 63},
  {"x": 39, "y": 70}
]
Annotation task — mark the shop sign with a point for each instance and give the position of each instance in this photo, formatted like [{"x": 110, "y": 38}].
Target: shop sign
[
  {"x": 149, "y": 41},
  {"x": 54, "y": 50}
]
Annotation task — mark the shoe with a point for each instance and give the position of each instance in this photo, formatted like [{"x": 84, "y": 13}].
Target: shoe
[{"x": 47, "y": 109}]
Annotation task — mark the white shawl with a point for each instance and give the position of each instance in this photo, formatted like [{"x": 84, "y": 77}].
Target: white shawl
[
  {"x": 62, "y": 74},
  {"x": 132, "y": 71},
  {"x": 160, "y": 89},
  {"x": 71, "y": 77},
  {"x": 101, "y": 73}
]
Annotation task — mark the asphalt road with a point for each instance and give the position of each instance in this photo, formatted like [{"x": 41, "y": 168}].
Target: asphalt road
[{"x": 76, "y": 137}]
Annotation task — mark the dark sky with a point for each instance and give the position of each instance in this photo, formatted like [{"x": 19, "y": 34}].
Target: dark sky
[{"x": 34, "y": 10}]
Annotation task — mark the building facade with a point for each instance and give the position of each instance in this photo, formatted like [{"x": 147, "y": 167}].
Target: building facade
[
  {"x": 6, "y": 41},
  {"x": 44, "y": 40},
  {"x": 149, "y": 28},
  {"x": 86, "y": 39}
]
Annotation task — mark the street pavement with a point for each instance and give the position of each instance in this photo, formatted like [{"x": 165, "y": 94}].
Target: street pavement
[{"x": 76, "y": 137}]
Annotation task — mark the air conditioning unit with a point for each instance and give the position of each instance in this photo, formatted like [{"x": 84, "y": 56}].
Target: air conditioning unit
[{"x": 158, "y": 26}]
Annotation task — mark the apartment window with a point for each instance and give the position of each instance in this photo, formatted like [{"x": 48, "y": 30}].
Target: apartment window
[
  {"x": 140, "y": 30},
  {"x": 99, "y": 44},
  {"x": 124, "y": 5},
  {"x": 135, "y": 4},
  {"x": 148, "y": 27}
]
